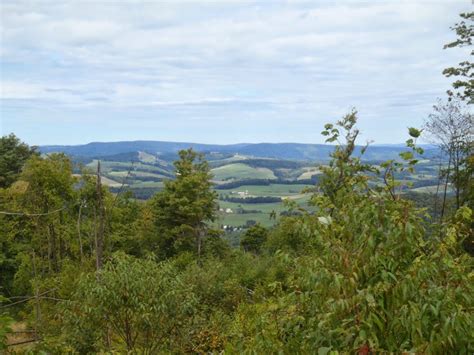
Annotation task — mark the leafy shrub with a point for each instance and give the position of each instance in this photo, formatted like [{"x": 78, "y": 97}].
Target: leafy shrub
[{"x": 133, "y": 305}]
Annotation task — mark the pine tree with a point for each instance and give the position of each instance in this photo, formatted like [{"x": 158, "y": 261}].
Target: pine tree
[{"x": 185, "y": 206}]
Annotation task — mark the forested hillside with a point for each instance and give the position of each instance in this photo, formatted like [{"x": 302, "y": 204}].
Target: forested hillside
[{"x": 292, "y": 151}]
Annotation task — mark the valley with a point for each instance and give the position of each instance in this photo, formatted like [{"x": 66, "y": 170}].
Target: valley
[{"x": 257, "y": 187}]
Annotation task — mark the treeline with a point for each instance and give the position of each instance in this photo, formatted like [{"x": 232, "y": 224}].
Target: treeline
[
  {"x": 265, "y": 182},
  {"x": 140, "y": 193}
]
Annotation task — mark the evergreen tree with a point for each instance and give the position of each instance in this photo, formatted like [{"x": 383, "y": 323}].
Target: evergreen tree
[{"x": 184, "y": 208}]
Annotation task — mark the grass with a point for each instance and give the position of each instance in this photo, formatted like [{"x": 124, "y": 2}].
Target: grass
[
  {"x": 136, "y": 173},
  {"x": 241, "y": 171},
  {"x": 116, "y": 166},
  {"x": 110, "y": 182},
  {"x": 146, "y": 157},
  {"x": 309, "y": 172},
  {"x": 154, "y": 184},
  {"x": 276, "y": 190},
  {"x": 263, "y": 214},
  {"x": 23, "y": 336}
]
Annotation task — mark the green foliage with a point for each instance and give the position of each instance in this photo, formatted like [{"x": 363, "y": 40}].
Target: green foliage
[
  {"x": 254, "y": 238},
  {"x": 370, "y": 281},
  {"x": 214, "y": 246},
  {"x": 182, "y": 210},
  {"x": 465, "y": 70},
  {"x": 292, "y": 235},
  {"x": 41, "y": 197},
  {"x": 345, "y": 174},
  {"x": 359, "y": 272},
  {"x": 13, "y": 155},
  {"x": 132, "y": 305},
  {"x": 242, "y": 171}
]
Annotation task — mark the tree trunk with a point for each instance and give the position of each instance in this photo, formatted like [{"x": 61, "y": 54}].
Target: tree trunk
[
  {"x": 435, "y": 211},
  {"x": 199, "y": 236},
  {"x": 456, "y": 179},
  {"x": 53, "y": 243},
  {"x": 81, "y": 252},
  {"x": 443, "y": 206},
  {"x": 37, "y": 304},
  {"x": 100, "y": 232}
]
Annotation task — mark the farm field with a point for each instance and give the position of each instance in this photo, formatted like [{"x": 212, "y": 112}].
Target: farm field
[
  {"x": 240, "y": 214},
  {"x": 279, "y": 190},
  {"x": 236, "y": 171},
  {"x": 244, "y": 184}
]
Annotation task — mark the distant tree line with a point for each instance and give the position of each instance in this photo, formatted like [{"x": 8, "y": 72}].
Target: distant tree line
[{"x": 265, "y": 182}]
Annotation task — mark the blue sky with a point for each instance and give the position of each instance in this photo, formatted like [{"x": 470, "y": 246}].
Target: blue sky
[{"x": 220, "y": 72}]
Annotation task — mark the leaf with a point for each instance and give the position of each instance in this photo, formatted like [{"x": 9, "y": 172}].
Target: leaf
[
  {"x": 325, "y": 220},
  {"x": 324, "y": 351},
  {"x": 370, "y": 300},
  {"x": 413, "y": 132},
  {"x": 406, "y": 155}
]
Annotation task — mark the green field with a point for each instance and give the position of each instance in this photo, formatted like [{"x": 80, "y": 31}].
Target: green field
[
  {"x": 276, "y": 190},
  {"x": 123, "y": 174},
  {"x": 145, "y": 178},
  {"x": 154, "y": 184},
  {"x": 241, "y": 171},
  {"x": 260, "y": 211},
  {"x": 109, "y": 166}
]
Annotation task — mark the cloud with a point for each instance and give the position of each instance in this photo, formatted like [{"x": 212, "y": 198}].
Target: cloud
[
  {"x": 286, "y": 63},
  {"x": 19, "y": 90}
]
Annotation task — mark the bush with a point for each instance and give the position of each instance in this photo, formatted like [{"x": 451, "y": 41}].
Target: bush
[{"x": 132, "y": 305}]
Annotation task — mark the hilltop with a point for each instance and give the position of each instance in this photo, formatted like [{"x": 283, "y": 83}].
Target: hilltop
[{"x": 292, "y": 151}]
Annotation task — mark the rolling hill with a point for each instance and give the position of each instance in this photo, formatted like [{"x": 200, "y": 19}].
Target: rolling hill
[
  {"x": 252, "y": 180},
  {"x": 167, "y": 150}
]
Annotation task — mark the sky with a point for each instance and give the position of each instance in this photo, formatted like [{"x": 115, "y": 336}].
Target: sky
[{"x": 221, "y": 72}]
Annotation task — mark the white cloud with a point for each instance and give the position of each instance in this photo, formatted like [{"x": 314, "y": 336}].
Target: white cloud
[
  {"x": 295, "y": 60},
  {"x": 19, "y": 90}
]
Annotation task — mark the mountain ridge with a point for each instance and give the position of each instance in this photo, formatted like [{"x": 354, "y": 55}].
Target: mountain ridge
[{"x": 291, "y": 151}]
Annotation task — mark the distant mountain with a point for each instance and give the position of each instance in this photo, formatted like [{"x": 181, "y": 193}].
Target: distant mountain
[
  {"x": 111, "y": 148},
  {"x": 290, "y": 151}
]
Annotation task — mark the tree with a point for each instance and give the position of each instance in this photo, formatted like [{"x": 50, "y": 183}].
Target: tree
[
  {"x": 254, "y": 238},
  {"x": 465, "y": 70},
  {"x": 451, "y": 127},
  {"x": 368, "y": 281},
  {"x": 185, "y": 206},
  {"x": 44, "y": 194},
  {"x": 13, "y": 155},
  {"x": 345, "y": 172}
]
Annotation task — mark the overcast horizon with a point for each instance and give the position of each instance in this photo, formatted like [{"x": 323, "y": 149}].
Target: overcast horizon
[{"x": 221, "y": 73}]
